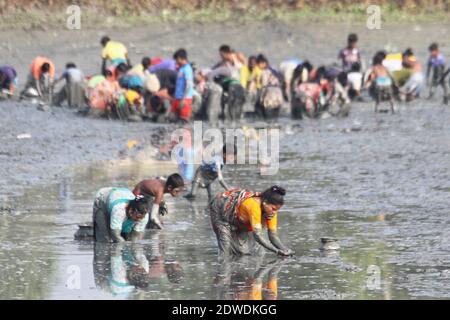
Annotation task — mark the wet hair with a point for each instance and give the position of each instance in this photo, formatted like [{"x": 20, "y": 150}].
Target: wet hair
[
  {"x": 71, "y": 65},
  {"x": 274, "y": 195},
  {"x": 45, "y": 67},
  {"x": 434, "y": 46},
  {"x": 146, "y": 62},
  {"x": 352, "y": 38},
  {"x": 261, "y": 59},
  {"x": 225, "y": 49},
  {"x": 139, "y": 204},
  {"x": 356, "y": 67},
  {"x": 180, "y": 54},
  {"x": 175, "y": 181},
  {"x": 122, "y": 67},
  {"x": 105, "y": 40},
  {"x": 138, "y": 277}
]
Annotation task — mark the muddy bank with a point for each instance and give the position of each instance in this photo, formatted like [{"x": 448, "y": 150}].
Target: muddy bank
[
  {"x": 38, "y": 147},
  {"x": 60, "y": 138}
]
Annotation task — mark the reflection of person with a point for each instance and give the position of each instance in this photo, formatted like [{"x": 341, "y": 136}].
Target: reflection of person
[
  {"x": 239, "y": 282},
  {"x": 119, "y": 215},
  {"x": 125, "y": 267},
  {"x": 153, "y": 191},
  {"x": 161, "y": 266},
  {"x": 121, "y": 269},
  {"x": 238, "y": 214}
]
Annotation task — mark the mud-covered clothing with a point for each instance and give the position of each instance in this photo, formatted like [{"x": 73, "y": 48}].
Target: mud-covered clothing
[
  {"x": 206, "y": 174},
  {"x": 231, "y": 220},
  {"x": 73, "y": 89},
  {"x": 250, "y": 216},
  {"x": 233, "y": 97},
  {"x": 110, "y": 214}
]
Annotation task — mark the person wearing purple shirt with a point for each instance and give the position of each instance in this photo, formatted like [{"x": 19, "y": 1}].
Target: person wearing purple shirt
[
  {"x": 350, "y": 54},
  {"x": 436, "y": 68},
  {"x": 8, "y": 79},
  {"x": 168, "y": 64}
]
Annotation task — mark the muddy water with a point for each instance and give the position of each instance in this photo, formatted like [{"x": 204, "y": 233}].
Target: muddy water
[{"x": 378, "y": 183}]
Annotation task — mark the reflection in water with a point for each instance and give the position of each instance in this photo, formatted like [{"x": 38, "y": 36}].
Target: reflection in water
[
  {"x": 390, "y": 214},
  {"x": 246, "y": 279},
  {"x": 125, "y": 268}
]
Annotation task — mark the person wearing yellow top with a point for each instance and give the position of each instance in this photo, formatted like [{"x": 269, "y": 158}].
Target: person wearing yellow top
[
  {"x": 113, "y": 51},
  {"x": 251, "y": 75},
  {"x": 239, "y": 216},
  {"x": 258, "y": 287},
  {"x": 248, "y": 279}
]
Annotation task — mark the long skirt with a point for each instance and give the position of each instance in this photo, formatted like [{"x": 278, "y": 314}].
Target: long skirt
[{"x": 231, "y": 239}]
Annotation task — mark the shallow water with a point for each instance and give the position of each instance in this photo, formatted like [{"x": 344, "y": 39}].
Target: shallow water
[{"x": 377, "y": 182}]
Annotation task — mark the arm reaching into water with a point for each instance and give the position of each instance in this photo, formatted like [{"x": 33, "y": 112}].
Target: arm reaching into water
[
  {"x": 262, "y": 241},
  {"x": 275, "y": 240}
]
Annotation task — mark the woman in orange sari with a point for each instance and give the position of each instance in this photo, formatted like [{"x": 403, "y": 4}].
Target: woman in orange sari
[{"x": 239, "y": 216}]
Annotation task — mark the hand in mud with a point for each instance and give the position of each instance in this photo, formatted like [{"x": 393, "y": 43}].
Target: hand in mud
[
  {"x": 286, "y": 253},
  {"x": 156, "y": 224},
  {"x": 163, "y": 209}
]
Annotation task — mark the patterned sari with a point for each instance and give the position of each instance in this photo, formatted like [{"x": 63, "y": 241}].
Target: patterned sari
[{"x": 232, "y": 238}]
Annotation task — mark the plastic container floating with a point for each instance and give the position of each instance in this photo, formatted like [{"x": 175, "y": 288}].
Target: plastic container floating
[
  {"x": 328, "y": 243},
  {"x": 84, "y": 232}
]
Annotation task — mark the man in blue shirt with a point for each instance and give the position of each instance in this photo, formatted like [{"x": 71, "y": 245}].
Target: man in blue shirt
[{"x": 184, "y": 88}]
